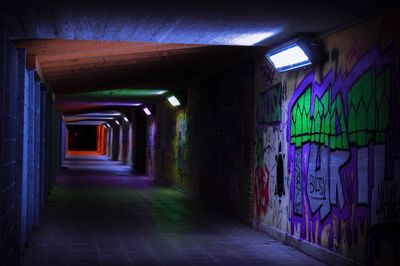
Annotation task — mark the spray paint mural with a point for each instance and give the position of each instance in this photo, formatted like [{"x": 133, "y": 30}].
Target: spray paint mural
[
  {"x": 343, "y": 153},
  {"x": 179, "y": 143},
  {"x": 269, "y": 175},
  {"x": 167, "y": 145},
  {"x": 151, "y": 147}
]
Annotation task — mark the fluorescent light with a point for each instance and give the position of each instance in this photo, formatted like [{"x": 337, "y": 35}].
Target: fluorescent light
[
  {"x": 126, "y": 119},
  {"x": 147, "y": 111},
  {"x": 293, "y": 55},
  {"x": 174, "y": 101},
  {"x": 116, "y": 122},
  {"x": 251, "y": 38}
]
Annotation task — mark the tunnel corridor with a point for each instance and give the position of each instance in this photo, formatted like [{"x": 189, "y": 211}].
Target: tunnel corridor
[{"x": 215, "y": 133}]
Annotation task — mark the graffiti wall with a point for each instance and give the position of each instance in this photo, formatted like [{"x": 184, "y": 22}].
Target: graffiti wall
[
  {"x": 179, "y": 149},
  {"x": 330, "y": 150},
  {"x": 150, "y": 147},
  {"x": 270, "y": 178},
  {"x": 166, "y": 146}
]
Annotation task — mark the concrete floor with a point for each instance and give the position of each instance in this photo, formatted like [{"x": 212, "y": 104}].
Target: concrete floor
[{"x": 100, "y": 214}]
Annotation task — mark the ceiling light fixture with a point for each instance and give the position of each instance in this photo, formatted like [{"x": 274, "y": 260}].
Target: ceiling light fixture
[
  {"x": 299, "y": 53},
  {"x": 147, "y": 111},
  {"x": 116, "y": 122},
  {"x": 173, "y": 101},
  {"x": 126, "y": 119}
]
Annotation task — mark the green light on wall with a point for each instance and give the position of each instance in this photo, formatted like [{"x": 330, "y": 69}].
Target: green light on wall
[{"x": 118, "y": 93}]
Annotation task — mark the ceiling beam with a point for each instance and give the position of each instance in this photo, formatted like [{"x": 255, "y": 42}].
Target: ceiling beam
[
  {"x": 153, "y": 81},
  {"x": 129, "y": 58},
  {"x": 99, "y": 65},
  {"x": 57, "y": 49},
  {"x": 142, "y": 70},
  {"x": 73, "y": 110}
]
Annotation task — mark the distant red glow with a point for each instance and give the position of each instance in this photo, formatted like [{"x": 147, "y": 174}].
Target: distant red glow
[
  {"x": 100, "y": 145},
  {"x": 83, "y": 153}
]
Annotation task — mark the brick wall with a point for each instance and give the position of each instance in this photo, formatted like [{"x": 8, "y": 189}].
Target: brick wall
[
  {"x": 225, "y": 136},
  {"x": 205, "y": 146}
]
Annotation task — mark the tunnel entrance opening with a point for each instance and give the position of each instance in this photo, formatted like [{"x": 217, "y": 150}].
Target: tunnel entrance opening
[{"x": 82, "y": 138}]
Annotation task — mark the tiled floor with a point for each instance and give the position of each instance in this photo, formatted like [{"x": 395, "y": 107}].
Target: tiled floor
[{"x": 100, "y": 214}]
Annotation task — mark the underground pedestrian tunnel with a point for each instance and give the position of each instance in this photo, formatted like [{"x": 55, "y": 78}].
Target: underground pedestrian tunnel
[{"x": 162, "y": 134}]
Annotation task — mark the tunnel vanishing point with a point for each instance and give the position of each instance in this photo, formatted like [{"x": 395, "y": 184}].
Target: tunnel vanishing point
[{"x": 205, "y": 133}]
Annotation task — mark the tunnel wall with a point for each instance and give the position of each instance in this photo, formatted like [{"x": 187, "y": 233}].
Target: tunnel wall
[
  {"x": 163, "y": 159},
  {"x": 115, "y": 143},
  {"x": 9, "y": 93},
  {"x": 109, "y": 142},
  {"x": 127, "y": 137},
  {"x": 123, "y": 139},
  {"x": 150, "y": 147},
  {"x": 130, "y": 140},
  {"x": 139, "y": 144},
  {"x": 205, "y": 146},
  {"x": 224, "y": 117},
  {"x": 28, "y": 151},
  {"x": 327, "y": 156},
  {"x": 130, "y": 146}
]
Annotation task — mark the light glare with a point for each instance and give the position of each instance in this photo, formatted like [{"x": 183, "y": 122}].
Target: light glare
[
  {"x": 174, "y": 101},
  {"x": 251, "y": 38}
]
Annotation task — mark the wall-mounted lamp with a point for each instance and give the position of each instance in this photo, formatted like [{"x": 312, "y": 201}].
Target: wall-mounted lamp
[
  {"x": 147, "y": 111},
  {"x": 116, "y": 122},
  {"x": 174, "y": 101},
  {"x": 298, "y": 53}
]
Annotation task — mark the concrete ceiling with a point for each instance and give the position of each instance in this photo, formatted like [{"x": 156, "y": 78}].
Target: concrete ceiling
[
  {"x": 101, "y": 75},
  {"x": 79, "y": 48},
  {"x": 194, "y": 22}
]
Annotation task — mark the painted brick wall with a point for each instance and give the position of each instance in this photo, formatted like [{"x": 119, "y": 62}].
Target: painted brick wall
[
  {"x": 166, "y": 144},
  {"x": 327, "y": 166},
  {"x": 225, "y": 136},
  {"x": 205, "y": 147}
]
